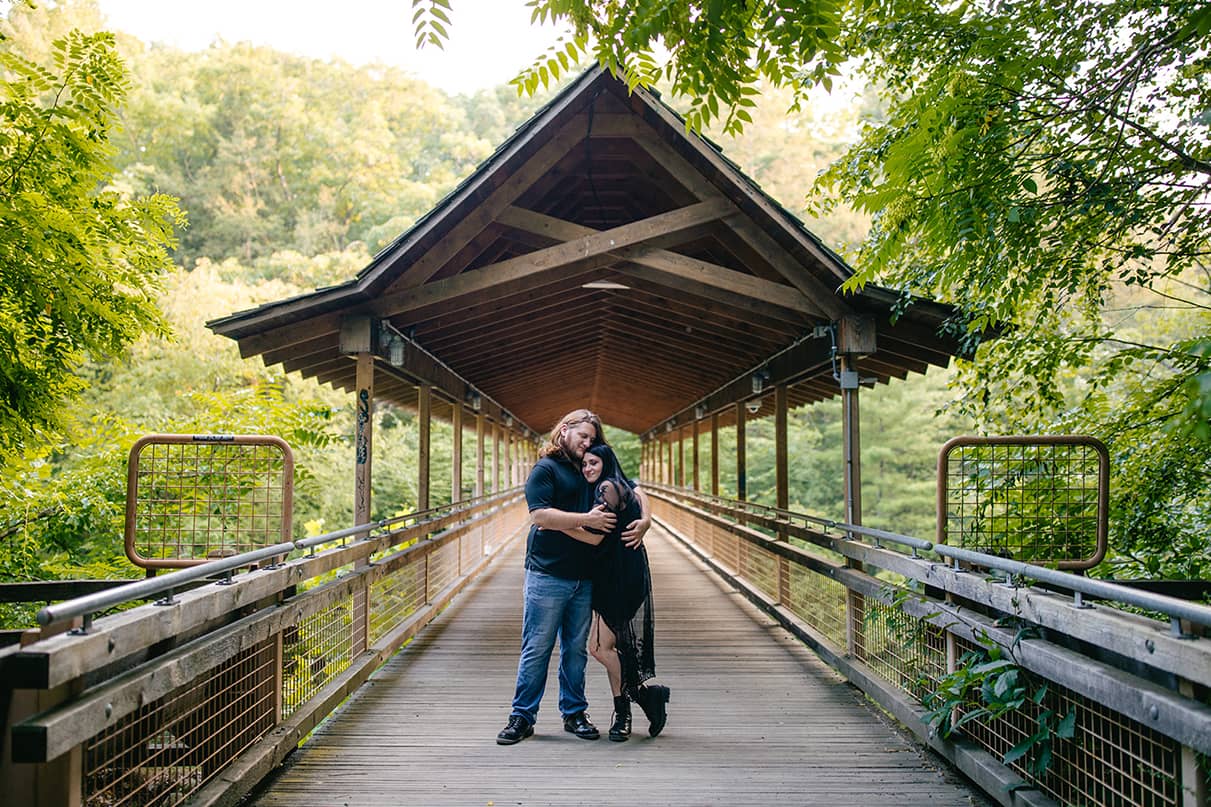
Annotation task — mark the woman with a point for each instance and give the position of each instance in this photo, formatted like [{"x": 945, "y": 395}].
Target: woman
[{"x": 621, "y": 634}]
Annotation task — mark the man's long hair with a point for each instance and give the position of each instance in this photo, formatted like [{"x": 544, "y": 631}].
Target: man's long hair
[{"x": 554, "y": 448}]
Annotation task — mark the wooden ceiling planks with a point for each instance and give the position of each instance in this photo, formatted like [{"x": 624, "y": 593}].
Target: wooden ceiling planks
[{"x": 500, "y": 288}]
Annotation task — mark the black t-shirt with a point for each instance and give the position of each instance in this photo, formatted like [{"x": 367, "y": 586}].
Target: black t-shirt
[{"x": 558, "y": 483}]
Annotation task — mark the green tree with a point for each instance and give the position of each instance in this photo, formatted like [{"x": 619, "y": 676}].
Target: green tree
[
  {"x": 270, "y": 151},
  {"x": 79, "y": 262}
]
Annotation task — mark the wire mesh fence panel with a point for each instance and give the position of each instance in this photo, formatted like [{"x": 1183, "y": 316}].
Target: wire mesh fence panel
[
  {"x": 1111, "y": 760},
  {"x": 1032, "y": 499},
  {"x": 907, "y": 652},
  {"x": 193, "y": 498},
  {"x": 818, "y": 601},
  {"x": 725, "y": 546},
  {"x": 470, "y": 548},
  {"x": 315, "y": 650},
  {"x": 396, "y": 596},
  {"x": 161, "y": 754},
  {"x": 760, "y": 567},
  {"x": 443, "y": 567}
]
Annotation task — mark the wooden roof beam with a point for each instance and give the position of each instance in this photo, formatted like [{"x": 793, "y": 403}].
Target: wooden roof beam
[
  {"x": 787, "y": 266},
  {"x": 672, "y": 263},
  {"x": 599, "y": 245}
]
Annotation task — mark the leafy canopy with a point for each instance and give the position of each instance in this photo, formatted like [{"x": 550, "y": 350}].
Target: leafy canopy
[{"x": 79, "y": 263}]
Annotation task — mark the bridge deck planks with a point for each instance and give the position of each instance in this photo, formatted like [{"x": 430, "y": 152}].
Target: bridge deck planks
[{"x": 755, "y": 718}]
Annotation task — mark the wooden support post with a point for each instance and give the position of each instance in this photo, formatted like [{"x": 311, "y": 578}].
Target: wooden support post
[
  {"x": 424, "y": 407},
  {"x": 714, "y": 453},
  {"x": 495, "y": 457},
  {"x": 741, "y": 477},
  {"x": 479, "y": 455},
  {"x": 363, "y": 447},
  {"x": 694, "y": 456},
  {"x": 852, "y": 446},
  {"x": 456, "y": 453},
  {"x": 681, "y": 458},
  {"x": 669, "y": 471},
  {"x": 506, "y": 471},
  {"x": 363, "y": 438},
  {"x": 781, "y": 484},
  {"x": 57, "y": 782},
  {"x": 662, "y": 460},
  {"x": 852, "y": 449}
]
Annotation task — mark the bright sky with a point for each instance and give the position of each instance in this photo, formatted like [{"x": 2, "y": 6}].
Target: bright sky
[{"x": 490, "y": 40}]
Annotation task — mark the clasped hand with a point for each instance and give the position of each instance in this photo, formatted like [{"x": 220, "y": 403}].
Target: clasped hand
[
  {"x": 600, "y": 519},
  {"x": 632, "y": 536}
]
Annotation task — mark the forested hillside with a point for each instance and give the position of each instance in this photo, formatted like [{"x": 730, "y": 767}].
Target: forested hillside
[{"x": 293, "y": 172}]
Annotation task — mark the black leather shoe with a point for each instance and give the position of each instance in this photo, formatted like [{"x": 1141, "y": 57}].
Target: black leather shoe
[
  {"x": 579, "y": 725},
  {"x": 620, "y": 729},
  {"x": 517, "y": 730},
  {"x": 653, "y": 700}
]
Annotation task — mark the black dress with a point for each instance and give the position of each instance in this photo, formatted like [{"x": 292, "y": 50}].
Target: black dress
[{"x": 622, "y": 591}]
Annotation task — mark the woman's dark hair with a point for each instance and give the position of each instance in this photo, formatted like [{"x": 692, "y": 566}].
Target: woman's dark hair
[
  {"x": 614, "y": 490},
  {"x": 611, "y": 468}
]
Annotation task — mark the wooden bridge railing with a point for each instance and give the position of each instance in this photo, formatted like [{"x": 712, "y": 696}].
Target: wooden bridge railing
[
  {"x": 896, "y": 616},
  {"x": 197, "y": 697}
]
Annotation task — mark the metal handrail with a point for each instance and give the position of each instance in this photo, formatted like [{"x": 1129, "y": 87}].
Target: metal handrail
[
  {"x": 1172, "y": 607},
  {"x": 446, "y": 509},
  {"x": 788, "y": 515},
  {"x": 145, "y": 589}
]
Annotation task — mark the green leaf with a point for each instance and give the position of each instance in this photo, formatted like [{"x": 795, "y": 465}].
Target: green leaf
[{"x": 1018, "y": 751}]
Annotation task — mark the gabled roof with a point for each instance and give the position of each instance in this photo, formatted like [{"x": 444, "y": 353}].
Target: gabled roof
[{"x": 602, "y": 257}]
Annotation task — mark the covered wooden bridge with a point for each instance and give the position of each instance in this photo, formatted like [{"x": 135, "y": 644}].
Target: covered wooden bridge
[{"x": 605, "y": 258}]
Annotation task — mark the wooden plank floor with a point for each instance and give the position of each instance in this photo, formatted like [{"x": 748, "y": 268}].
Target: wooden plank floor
[{"x": 755, "y": 718}]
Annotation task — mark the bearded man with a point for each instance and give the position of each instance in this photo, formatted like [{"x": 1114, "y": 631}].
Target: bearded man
[{"x": 558, "y": 591}]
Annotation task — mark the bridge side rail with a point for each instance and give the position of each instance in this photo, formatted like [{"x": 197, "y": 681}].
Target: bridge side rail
[
  {"x": 896, "y": 614},
  {"x": 194, "y": 699}
]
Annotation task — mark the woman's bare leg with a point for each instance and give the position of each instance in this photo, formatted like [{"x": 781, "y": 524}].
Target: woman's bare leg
[{"x": 601, "y": 645}]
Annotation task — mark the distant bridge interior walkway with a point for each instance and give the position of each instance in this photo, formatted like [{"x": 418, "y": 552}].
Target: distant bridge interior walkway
[{"x": 756, "y": 717}]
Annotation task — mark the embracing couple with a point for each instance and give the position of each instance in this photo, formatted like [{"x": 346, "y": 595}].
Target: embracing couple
[{"x": 587, "y": 582}]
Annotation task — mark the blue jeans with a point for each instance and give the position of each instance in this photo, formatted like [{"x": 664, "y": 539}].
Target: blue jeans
[{"x": 553, "y": 607}]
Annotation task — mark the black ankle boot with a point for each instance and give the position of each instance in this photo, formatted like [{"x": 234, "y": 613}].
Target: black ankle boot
[
  {"x": 621, "y": 728},
  {"x": 653, "y": 701}
]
